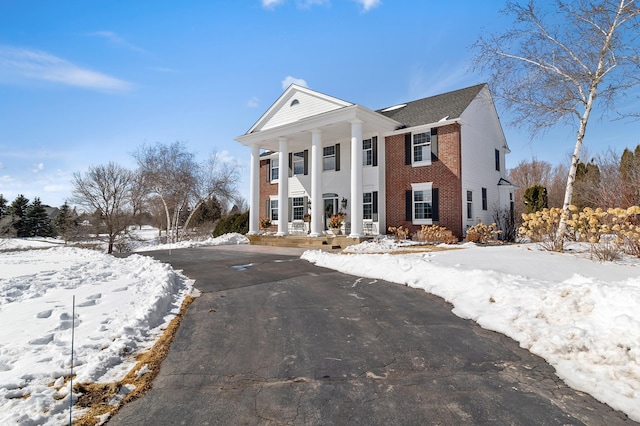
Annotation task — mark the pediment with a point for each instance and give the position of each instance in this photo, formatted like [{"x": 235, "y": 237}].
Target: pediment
[{"x": 295, "y": 104}]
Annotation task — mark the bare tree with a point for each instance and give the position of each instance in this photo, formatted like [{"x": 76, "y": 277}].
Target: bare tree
[
  {"x": 214, "y": 177},
  {"x": 169, "y": 172},
  {"x": 551, "y": 67},
  {"x": 106, "y": 190}
]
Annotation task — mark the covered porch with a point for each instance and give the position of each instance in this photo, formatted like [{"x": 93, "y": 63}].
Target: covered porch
[{"x": 341, "y": 125}]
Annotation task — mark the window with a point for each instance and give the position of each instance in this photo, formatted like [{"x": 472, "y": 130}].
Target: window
[
  {"x": 367, "y": 152},
  {"x": 422, "y": 148},
  {"x": 298, "y": 163},
  {"x": 484, "y": 198},
  {"x": 422, "y": 204},
  {"x": 329, "y": 158},
  {"x": 367, "y": 206},
  {"x": 469, "y": 204},
  {"x": 298, "y": 208},
  {"x": 275, "y": 169},
  {"x": 273, "y": 207},
  {"x": 497, "y": 160}
]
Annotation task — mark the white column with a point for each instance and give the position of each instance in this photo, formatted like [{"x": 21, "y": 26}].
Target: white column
[
  {"x": 254, "y": 191},
  {"x": 283, "y": 187},
  {"x": 356, "y": 179},
  {"x": 316, "y": 183}
]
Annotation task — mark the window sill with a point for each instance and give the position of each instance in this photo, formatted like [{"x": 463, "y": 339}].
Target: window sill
[
  {"x": 422, "y": 221},
  {"x": 421, "y": 163}
]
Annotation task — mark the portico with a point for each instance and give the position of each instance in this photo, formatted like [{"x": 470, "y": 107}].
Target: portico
[{"x": 308, "y": 135}]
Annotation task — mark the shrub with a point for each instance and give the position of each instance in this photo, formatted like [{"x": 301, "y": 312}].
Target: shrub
[
  {"x": 265, "y": 223},
  {"x": 399, "y": 233},
  {"x": 435, "y": 234},
  {"x": 542, "y": 227},
  {"x": 482, "y": 233},
  {"x": 238, "y": 222}
]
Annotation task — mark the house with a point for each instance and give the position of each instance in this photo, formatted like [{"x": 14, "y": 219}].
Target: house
[{"x": 438, "y": 160}]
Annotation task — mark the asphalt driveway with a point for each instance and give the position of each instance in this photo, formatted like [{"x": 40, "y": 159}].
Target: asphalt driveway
[{"x": 275, "y": 340}]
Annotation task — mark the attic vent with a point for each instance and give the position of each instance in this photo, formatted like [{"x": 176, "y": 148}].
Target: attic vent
[
  {"x": 294, "y": 102},
  {"x": 394, "y": 108}
]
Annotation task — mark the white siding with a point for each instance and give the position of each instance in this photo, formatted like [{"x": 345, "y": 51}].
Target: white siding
[
  {"x": 481, "y": 136},
  {"x": 307, "y": 106}
]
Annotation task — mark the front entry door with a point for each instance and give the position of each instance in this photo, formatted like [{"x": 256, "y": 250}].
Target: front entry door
[{"x": 330, "y": 207}]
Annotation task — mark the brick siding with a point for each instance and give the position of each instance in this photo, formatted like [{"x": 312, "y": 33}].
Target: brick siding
[
  {"x": 266, "y": 189},
  {"x": 445, "y": 173}
]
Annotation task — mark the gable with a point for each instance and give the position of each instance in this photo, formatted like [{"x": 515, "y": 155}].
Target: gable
[{"x": 295, "y": 104}]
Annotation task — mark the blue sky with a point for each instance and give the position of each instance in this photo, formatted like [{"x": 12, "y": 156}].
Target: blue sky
[{"x": 83, "y": 83}]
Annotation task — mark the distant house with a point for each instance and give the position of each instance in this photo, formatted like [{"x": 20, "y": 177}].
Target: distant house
[{"x": 438, "y": 160}]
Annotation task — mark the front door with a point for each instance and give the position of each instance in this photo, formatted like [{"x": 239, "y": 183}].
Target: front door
[{"x": 330, "y": 207}]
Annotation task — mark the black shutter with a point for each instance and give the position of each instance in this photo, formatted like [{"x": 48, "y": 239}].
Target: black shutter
[
  {"x": 306, "y": 162},
  {"x": 374, "y": 148},
  {"x": 434, "y": 144},
  {"x": 407, "y": 149},
  {"x": 268, "y": 170},
  {"x": 305, "y": 203},
  {"x": 290, "y": 164},
  {"x": 408, "y": 205},
  {"x": 268, "y": 208},
  {"x": 337, "y": 157},
  {"x": 435, "y": 205},
  {"x": 290, "y": 218},
  {"x": 375, "y": 206}
]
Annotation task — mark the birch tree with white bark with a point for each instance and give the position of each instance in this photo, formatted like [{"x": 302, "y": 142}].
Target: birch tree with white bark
[{"x": 557, "y": 63}]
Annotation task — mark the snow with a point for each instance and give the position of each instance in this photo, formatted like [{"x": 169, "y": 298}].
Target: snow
[
  {"x": 582, "y": 316},
  {"x": 226, "y": 239},
  {"x": 121, "y": 307}
]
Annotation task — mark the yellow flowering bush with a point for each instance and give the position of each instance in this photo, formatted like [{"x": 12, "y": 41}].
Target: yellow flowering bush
[
  {"x": 610, "y": 232},
  {"x": 542, "y": 227},
  {"x": 482, "y": 233},
  {"x": 435, "y": 234},
  {"x": 399, "y": 233}
]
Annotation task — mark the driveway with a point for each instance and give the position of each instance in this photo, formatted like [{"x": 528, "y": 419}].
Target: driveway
[{"x": 275, "y": 340}]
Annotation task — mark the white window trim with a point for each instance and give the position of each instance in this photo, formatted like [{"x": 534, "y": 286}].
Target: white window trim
[
  {"x": 364, "y": 157},
  {"x": 273, "y": 198},
  {"x": 424, "y": 186},
  {"x": 326, "y": 156},
  {"x": 422, "y": 163},
  {"x": 271, "y": 169}
]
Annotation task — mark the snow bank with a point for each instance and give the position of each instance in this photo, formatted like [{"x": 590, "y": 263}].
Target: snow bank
[
  {"x": 226, "y": 239},
  {"x": 581, "y": 316},
  {"x": 122, "y": 305}
]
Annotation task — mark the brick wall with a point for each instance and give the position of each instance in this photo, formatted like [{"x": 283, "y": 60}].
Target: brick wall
[
  {"x": 266, "y": 189},
  {"x": 445, "y": 174}
]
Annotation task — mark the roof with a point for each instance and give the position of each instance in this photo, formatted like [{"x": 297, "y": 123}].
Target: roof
[{"x": 446, "y": 106}]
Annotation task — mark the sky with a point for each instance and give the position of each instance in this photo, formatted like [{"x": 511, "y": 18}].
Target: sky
[{"x": 85, "y": 83}]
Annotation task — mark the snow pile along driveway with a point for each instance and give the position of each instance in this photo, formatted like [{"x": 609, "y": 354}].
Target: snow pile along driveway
[
  {"x": 582, "y": 316},
  {"x": 122, "y": 305}
]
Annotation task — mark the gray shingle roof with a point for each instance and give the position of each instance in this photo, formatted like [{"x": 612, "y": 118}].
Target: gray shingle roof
[{"x": 434, "y": 108}]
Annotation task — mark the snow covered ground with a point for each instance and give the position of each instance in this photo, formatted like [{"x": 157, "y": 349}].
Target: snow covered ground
[
  {"x": 582, "y": 316},
  {"x": 122, "y": 306}
]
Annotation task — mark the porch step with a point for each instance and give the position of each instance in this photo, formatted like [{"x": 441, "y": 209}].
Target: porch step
[{"x": 304, "y": 241}]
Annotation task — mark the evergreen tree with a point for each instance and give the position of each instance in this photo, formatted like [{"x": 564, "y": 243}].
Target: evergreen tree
[
  {"x": 586, "y": 185},
  {"x": 18, "y": 211},
  {"x": 66, "y": 222},
  {"x": 3, "y": 206},
  {"x": 37, "y": 220},
  {"x": 535, "y": 198}
]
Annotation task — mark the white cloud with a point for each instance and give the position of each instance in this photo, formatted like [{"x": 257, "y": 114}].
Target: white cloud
[
  {"x": 288, "y": 81},
  {"x": 37, "y": 168},
  {"x": 115, "y": 40},
  {"x": 367, "y": 5},
  {"x": 253, "y": 102},
  {"x": 271, "y": 4},
  {"x": 306, "y": 4},
  {"x": 38, "y": 65}
]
